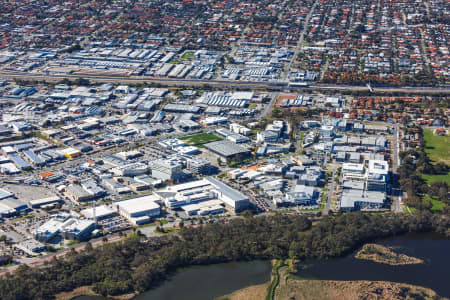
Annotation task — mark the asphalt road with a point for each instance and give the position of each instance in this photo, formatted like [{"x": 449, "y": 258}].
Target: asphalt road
[
  {"x": 300, "y": 40},
  {"x": 396, "y": 193},
  {"x": 331, "y": 188},
  {"x": 269, "y": 107}
]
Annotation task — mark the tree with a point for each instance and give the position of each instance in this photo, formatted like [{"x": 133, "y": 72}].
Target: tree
[
  {"x": 443, "y": 194},
  {"x": 247, "y": 214}
]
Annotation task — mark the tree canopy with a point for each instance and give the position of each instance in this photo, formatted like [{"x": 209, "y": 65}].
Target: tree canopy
[{"x": 138, "y": 264}]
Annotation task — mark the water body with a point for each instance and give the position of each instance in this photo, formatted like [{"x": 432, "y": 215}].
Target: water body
[
  {"x": 209, "y": 282},
  {"x": 434, "y": 273}
]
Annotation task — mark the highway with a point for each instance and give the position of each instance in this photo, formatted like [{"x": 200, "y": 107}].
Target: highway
[{"x": 277, "y": 85}]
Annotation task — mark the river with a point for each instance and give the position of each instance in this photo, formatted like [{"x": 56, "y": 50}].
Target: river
[
  {"x": 208, "y": 282},
  {"x": 434, "y": 273}
]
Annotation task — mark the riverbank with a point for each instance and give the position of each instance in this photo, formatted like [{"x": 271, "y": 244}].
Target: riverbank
[
  {"x": 255, "y": 292},
  {"x": 385, "y": 255},
  {"x": 87, "y": 291},
  {"x": 349, "y": 290},
  {"x": 112, "y": 270},
  {"x": 291, "y": 287}
]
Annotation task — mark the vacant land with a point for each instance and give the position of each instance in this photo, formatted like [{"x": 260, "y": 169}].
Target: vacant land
[
  {"x": 437, "y": 147},
  {"x": 385, "y": 255},
  {"x": 200, "y": 139}
]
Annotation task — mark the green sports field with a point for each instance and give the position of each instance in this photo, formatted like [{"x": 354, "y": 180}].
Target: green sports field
[
  {"x": 200, "y": 139},
  {"x": 438, "y": 150},
  {"x": 437, "y": 147}
]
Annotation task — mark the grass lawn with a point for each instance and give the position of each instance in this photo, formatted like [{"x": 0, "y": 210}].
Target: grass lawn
[
  {"x": 437, "y": 147},
  {"x": 409, "y": 209},
  {"x": 438, "y": 150},
  {"x": 433, "y": 178},
  {"x": 200, "y": 139},
  {"x": 437, "y": 205},
  {"x": 187, "y": 55},
  {"x": 72, "y": 243}
]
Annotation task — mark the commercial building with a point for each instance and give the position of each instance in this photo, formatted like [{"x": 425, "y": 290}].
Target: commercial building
[
  {"x": 200, "y": 166},
  {"x": 360, "y": 199},
  {"x": 65, "y": 225},
  {"x": 71, "y": 152},
  {"x": 93, "y": 188},
  {"x": 232, "y": 136},
  {"x": 202, "y": 190},
  {"x": 18, "y": 161},
  {"x": 30, "y": 247},
  {"x": 131, "y": 169},
  {"x": 78, "y": 194},
  {"x": 166, "y": 169},
  {"x": 139, "y": 210},
  {"x": 377, "y": 175},
  {"x": 33, "y": 158},
  {"x": 267, "y": 136},
  {"x": 210, "y": 207},
  {"x": 44, "y": 201},
  {"x": 98, "y": 212},
  {"x": 78, "y": 229},
  {"x": 301, "y": 195},
  {"x": 227, "y": 149},
  {"x": 327, "y": 132},
  {"x": 237, "y": 128},
  {"x": 352, "y": 171},
  {"x": 12, "y": 207}
]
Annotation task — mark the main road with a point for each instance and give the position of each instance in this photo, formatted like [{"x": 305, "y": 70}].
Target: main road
[
  {"x": 396, "y": 191},
  {"x": 299, "y": 46},
  {"x": 273, "y": 85}
]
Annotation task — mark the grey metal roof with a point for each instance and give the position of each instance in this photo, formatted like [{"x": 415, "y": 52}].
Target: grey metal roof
[
  {"x": 225, "y": 148},
  {"x": 19, "y": 161},
  {"x": 5, "y": 194},
  {"x": 226, "y": 190}
]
